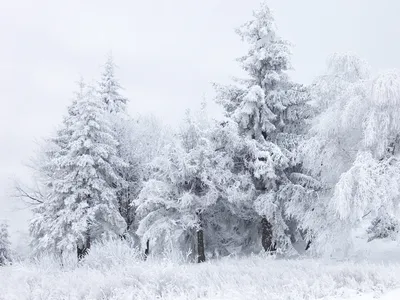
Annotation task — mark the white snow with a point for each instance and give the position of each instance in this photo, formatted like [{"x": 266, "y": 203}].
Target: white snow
[{"x": 115, "y": 272}]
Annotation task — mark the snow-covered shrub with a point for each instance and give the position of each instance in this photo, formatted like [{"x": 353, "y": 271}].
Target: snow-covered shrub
[
  {"x": 255, "y": 278},
  {"x": 109, "y": 253},
  {"x": 383, "y": 227},
  {"x": 5, "y": 245},
  {"x": 51, "y": 261}
]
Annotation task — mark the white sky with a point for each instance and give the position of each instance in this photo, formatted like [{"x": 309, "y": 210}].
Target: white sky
[{"x": 168, "y": 52}]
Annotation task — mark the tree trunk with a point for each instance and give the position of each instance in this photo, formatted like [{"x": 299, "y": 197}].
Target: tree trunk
[
  {"x": 201, "y": 257},
  {"x": 61, "y": 258},
  {"x": 147, "y": 250},
  {"x": 200, "y": 246},
  {"x": 308, "y": 245},
  {"x": 266, "y": 236},
  {"x": 84, "y": 249}
]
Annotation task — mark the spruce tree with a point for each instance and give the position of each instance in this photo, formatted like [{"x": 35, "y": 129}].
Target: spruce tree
[
  {"x": 82, "y": 206},
  {"x": 270, "y": 111},
  {"x": 115, "y": 105},
  {"x": 109, "y": 88}
]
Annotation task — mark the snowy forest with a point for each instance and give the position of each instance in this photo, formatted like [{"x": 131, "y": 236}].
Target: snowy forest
[{"x": 288, "y": 171}]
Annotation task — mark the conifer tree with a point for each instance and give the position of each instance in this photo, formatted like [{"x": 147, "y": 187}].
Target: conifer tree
[
  {"x": 270, "y": 111},
  {"x": 5, "y": 245},
  {"x": 82, "y": 206},
  {"x": 109, "y": 88},
  {"x": 115, "y": 105}
]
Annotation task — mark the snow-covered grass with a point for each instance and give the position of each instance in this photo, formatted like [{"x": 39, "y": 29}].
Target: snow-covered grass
[{"x": 118, "y": 273}]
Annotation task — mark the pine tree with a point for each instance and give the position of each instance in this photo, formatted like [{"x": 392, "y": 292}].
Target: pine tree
[
  {"x": 115, "y": 106},
  {"x": 5, "y": 245},
  {"x": 109, "y": 89},
  {"x": 82, "y": 205},
  {"x": 270, "y": 111},
  {"x": 46, "y": 171}
]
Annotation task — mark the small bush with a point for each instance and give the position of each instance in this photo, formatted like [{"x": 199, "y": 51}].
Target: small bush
[
  {"x": 383, "y": 227},
  {"x": 106, "y": 254}
]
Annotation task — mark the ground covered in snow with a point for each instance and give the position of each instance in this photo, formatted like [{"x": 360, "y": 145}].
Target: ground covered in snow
[{"x": 119, "y": 274}]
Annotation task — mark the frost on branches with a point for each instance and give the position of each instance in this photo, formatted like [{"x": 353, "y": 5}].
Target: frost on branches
[
  {"x": 5, "y": 245},
  {"x": 108, "y": 91},
  {"x": 82, "y": 205},
  {"x": 191, "y": 203},
  {"x": 288, "y": 168},
  {"x": 180, "y": 190},
  {"x": 271, "y": 111},
  {"x": 353, "y": 149}
]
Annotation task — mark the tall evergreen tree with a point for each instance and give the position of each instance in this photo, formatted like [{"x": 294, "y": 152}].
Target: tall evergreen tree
[
  {"x": 82, "y": 206},
  {"x": 270, "y": 111},
  {"x": 115, "y": 105},
  {"x": 46, "y": 171}
]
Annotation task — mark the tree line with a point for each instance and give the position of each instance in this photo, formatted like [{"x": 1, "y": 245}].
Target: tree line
[{"x": 288, "y": 168}]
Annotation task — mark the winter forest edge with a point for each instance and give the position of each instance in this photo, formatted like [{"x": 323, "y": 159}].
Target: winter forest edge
[{"x": 288, "y": 171}]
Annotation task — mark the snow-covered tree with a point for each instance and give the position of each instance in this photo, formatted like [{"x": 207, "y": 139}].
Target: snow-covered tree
[
  {"x": 141, "y": 140},
  {"x": 45, "y": 171},
  {"x": 334, "y": 135},
  {"x": 115, "y": 105},
  {"x": 180, "y": 190},
  {"x": 48, "y": 148},
  {"x": 232, "y": 224},
  {"x": 109, "y": 88},
  {"x": 352, "y": 150},
  {"x": 343, "y": 70},
  {"x": 82, "y": 206},
  {"x": 5, "y": 245},
  {"x": 371, "y": 185},
  {"x": 270, "y": 111},
  {"x": 193, "y": 193},
  {"x": 384, "y": 226}
]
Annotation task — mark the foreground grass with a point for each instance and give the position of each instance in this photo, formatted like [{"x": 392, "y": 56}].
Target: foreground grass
[{"x": 119, "y": 275}]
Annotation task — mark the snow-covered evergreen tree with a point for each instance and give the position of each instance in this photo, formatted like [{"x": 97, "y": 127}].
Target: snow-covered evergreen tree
[
  {"x": 270, "y": 111},
  {"x": 109, "y": 88},
  {"x": 46, "y": 170},
  {"x": 82, "y": 205},
  {"x": 115, "y": 105},
  {"x": 5, "y": 245}
]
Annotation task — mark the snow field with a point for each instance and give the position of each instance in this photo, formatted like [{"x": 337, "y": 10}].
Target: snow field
[{"x": 116, "y": 272}]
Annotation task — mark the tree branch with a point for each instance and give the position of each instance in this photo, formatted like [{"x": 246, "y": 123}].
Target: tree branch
[{"x": 29, "y": 195}]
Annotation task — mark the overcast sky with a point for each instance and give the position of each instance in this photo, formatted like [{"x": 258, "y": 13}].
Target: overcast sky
[{"x": 168, "y": 52}]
